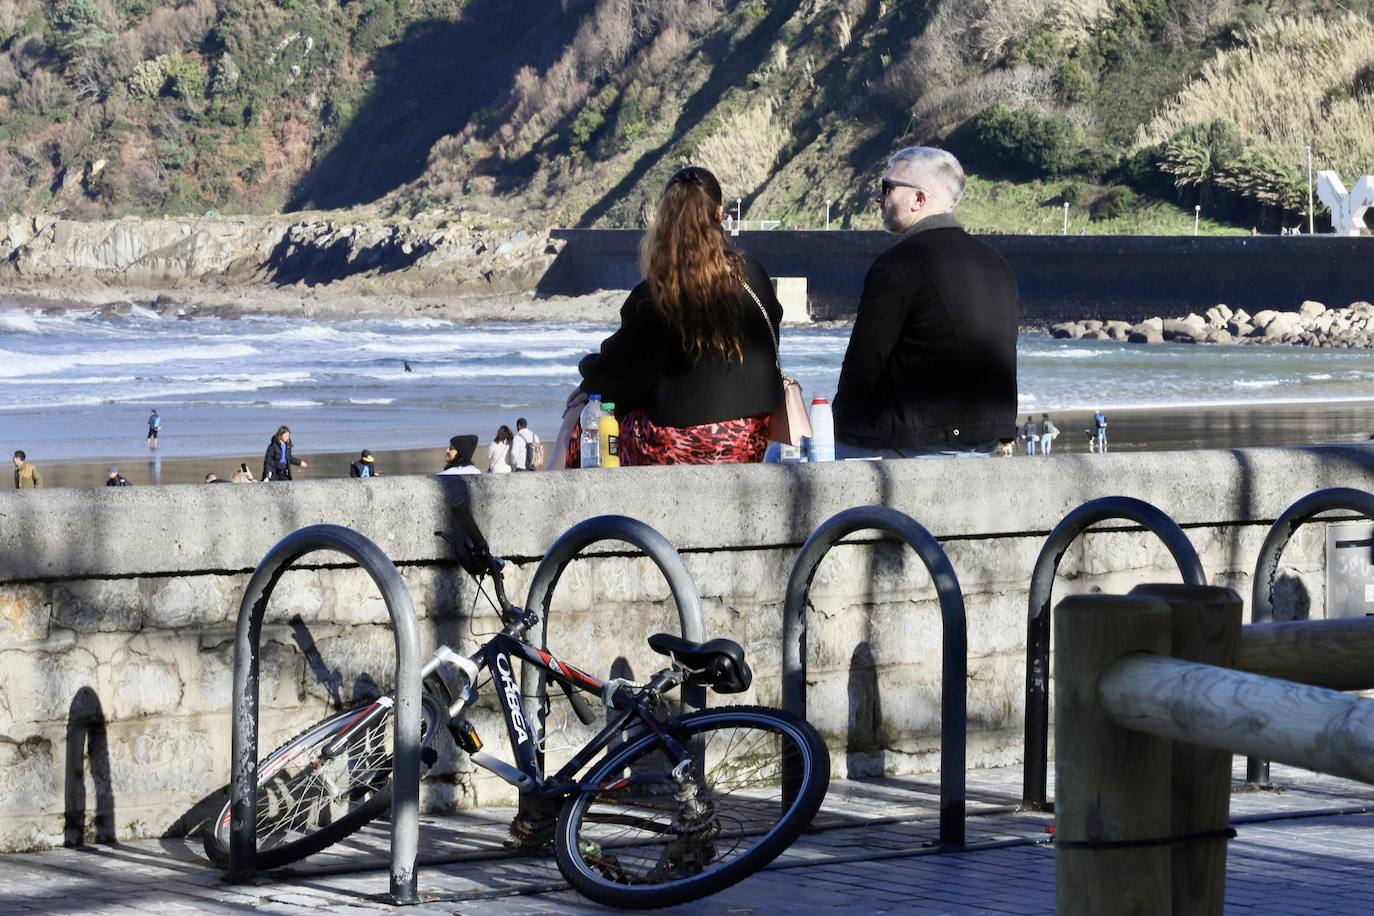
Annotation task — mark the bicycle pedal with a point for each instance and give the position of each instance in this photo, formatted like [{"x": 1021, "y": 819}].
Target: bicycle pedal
[{"x": 465, "y": 736}]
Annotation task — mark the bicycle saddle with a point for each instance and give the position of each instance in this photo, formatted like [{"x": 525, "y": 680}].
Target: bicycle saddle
[{"x": 720, "y": 662}]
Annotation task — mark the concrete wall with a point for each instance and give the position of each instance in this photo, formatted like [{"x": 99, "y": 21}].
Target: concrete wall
[
  {"x": 1061, "y": 277},
  {"x": 117, "y": 607}
]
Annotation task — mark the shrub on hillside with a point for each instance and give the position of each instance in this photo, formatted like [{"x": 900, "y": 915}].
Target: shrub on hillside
[
  {"x": 1113, "y": 203},
  {"x": 1023, "y": 142}
]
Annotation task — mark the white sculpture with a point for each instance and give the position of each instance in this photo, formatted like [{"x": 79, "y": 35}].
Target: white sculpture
[{"x": 1347, "y": 209}]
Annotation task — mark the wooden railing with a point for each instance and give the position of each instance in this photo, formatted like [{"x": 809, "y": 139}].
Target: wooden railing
[{"x": 1150, "y": 708}]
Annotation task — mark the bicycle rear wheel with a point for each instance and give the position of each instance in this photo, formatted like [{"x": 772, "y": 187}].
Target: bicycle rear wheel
[
  {"x": 635, "y": 837},
  {"x": 308, "y": 800}
]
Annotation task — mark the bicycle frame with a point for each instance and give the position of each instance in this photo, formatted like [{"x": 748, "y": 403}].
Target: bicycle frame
[{"x": 526, "y": 774}]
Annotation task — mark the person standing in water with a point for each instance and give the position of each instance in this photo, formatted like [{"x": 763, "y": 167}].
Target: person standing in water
[{"x": 154, "y": 427}]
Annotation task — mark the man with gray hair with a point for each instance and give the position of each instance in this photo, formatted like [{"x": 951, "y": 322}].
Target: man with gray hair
[{"x": 931, "y": 365}]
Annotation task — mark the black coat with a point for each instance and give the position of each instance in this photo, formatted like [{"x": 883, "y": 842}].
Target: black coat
[
  {"x": 645, "y": 365},
  {"x": 932, "y": 357},
  {"x": 273, "y": 466}
]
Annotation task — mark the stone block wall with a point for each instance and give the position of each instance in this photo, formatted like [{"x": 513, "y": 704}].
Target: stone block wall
[{"x": 117, "y": 607}]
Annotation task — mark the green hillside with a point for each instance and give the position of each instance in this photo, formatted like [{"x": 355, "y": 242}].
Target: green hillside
[{"x": 574, "y": 112}]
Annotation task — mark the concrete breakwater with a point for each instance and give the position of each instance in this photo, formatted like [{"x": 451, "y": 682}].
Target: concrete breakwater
[
  {"x": 117, "y": 608},
  {"x": 1062, "y": 278}
]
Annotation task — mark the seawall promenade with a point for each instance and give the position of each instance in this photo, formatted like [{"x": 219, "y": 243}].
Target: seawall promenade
[
  {"x": 117, "y": 607},
  {"x": 1062, "y": 278}
]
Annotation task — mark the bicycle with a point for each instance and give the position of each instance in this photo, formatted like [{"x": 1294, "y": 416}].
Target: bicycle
[{"x": 679, "y": 807}]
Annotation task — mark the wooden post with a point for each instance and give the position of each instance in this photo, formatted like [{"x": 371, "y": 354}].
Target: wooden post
[
  {"x": 1111, "y": 783},
  {"x": 1206, "y": 626}
]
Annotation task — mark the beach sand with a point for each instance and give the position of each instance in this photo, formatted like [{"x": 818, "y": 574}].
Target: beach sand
[{"x": 1129, "y": 430}]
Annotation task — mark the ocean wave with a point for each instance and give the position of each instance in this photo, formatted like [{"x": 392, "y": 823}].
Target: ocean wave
[
  {"x": 1256, "y": 383},
  {"x": 562, "y": 353},
  {"x": 494, "y": 372},
  {"x": 35, "y": 365},
  {"x": 19, "y": 321},
  {"x": 371, "y": 401},
  {"x": 1066, "y": 353},
  {"x": 1320, "y": 376}
]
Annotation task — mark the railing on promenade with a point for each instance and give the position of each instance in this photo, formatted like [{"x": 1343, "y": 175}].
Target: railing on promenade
[
  {"x": 1267, "y": 571},
  {"x": 1107, "y": 508},
  {"x": 1148, "y": 714},
  {"x": 405, "y": 798},
  {"x": 954, "y": 655}
]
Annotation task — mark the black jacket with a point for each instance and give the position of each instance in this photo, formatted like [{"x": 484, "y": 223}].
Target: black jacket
[
  {"x": 932, "y": 357},
  {"x": 273, "y": 467},
  {"x": 644, "y": 364}
]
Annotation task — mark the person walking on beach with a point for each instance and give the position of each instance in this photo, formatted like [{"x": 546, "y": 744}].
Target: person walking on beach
[
  {"x": 1047, "y": 433},
  {"x": 154, "y": 427},
  {"x": 458, "y": 456},
  {"x": 26, "y": 476},
  {"x": 276, "y": 464},
  {"x": 931, "y": 364},
  {"x": 115, "y": 479},
  {"x": 1100, "y": 431},
  {"x": 693, "y": 368},
  {"x": 1029, "y": 434},
  {"x": 526, "y": 451},
  {"x": 499, "y": 452},
  {"x": 365, "y": 466}
]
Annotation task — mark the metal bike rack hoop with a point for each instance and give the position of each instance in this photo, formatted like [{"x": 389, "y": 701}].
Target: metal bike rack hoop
[
  {"x": 655, "y": 546},
  {"x": 954, "y": 665},
  {"x": 1106, "y": 508},
  {"x": 405, "y": 799},
  {"x": 1267, "y": 568}
]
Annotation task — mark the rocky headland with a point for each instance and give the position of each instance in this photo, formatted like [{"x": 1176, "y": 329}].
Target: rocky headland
[
  {"x": 325, "y": 265},
  {"x": 1312, "y": 325}
]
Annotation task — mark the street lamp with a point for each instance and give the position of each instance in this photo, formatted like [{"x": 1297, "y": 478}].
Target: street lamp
[
  {"x": 827, "y": 214},
  {"x": 739, "y": 209},
  {"x": 1197, "y": 214},
  {"x": 1066, "y": 217},
  {"x": 1311, "y": 217}
]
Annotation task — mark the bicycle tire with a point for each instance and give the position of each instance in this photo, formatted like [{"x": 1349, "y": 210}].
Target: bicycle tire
[
  {"x": 368, "y": 787},
  {"x": 647, "y": 798}
]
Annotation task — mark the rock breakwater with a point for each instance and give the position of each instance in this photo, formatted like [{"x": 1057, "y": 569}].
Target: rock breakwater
[{"x": 1312, "y": 325}]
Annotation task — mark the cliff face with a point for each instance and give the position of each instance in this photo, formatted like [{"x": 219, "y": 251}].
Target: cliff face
[{"x": 414, "y": 258}]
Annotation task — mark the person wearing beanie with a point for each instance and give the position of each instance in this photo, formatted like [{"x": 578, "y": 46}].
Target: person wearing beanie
[
  {"x": 115, "y": 479},
  {"x": 365, "y": 466},
  {"x": 458, "y": 456}
]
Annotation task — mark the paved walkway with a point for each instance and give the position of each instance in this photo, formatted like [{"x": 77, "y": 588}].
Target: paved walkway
[{"x": 1304, "y": 849}]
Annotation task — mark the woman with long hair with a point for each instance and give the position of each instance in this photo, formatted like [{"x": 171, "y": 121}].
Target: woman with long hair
[
  {"x": 498, "y": 452},
  {"x": 692, "y": 370},
  {"x": 277, "y": 463}
]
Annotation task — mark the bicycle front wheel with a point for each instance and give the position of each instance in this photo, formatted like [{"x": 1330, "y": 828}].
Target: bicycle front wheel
[
  {"x": 322, "y": 785},
  {"x": 637, "y": 836}
]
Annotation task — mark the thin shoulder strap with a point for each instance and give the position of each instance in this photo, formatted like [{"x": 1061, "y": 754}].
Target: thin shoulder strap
[{"x": 772, "y": 334}]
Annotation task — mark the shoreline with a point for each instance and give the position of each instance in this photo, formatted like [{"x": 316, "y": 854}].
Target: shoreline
[{"x": 1130, "y": 429}]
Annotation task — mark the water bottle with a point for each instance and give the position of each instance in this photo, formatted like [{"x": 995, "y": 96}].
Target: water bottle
[
  {"x": 821, "y": 445},
  {"x": 591, "y": 432},
  {"x": 608, "y": 439}
]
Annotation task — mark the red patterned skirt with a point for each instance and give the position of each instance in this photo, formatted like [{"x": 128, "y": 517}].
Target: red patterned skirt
[{"x": 644, "y": 442}]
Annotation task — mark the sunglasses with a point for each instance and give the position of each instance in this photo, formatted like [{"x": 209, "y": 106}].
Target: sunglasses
[{"x": 887, "y": 184}]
